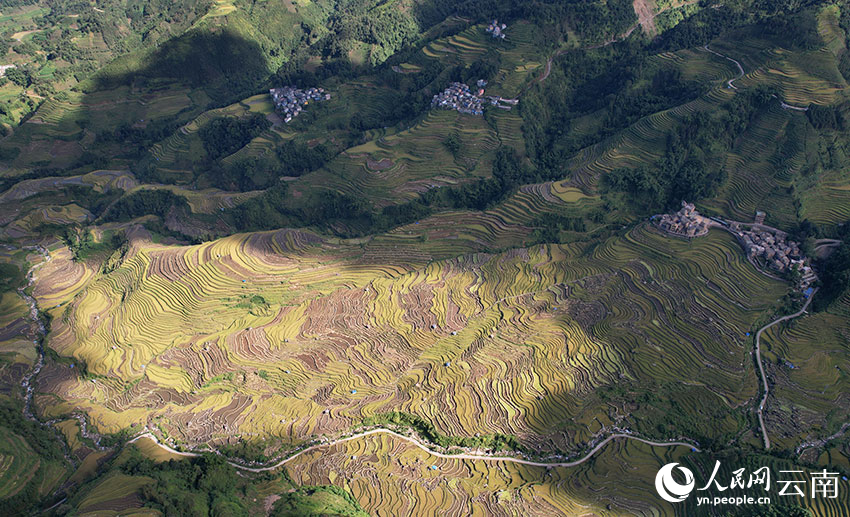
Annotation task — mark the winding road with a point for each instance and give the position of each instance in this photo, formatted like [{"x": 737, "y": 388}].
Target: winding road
[
  {"x": 730, "y": 82},
  {"x": 424, "y": 447},
  {"x": 761, "y": 368}
]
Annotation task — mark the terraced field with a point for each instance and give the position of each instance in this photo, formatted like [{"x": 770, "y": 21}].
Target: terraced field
[
  {"x": 755, "y": 182},
  {"x": 99, "y": 180},
  {"x": 116, "y": 495},
  {"x": 808, "y": 361},
  {"x": 282, "y": 340},
  {"x": 401, "y": 166},
  {"x": 467, "y": 46},
  {"x": 57, "y": 132},
  {"x": 519, "y": 54},
  {"x": 23, "y": 471},
  {"x": 801, "y": 77},
  {"x": 394, "y": 168},
  {"x": 17, "y": 351},
  {"x": 290, "y": 336},
  {"x": 184, "y": 148},
  {"x": 62, "y": 215},
  {"x": 18, "y": 463},
  {"x": 262, "y": 344},
  {"x": 642, "y": 143},
  {"x": 828, "y": 202}
]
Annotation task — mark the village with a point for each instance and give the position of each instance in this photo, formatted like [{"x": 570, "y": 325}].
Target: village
[
  {"x": 496, "y": 30},
  {"x": 290, "y": 101},
  {"x": 459, "y": 97},
  {"x": 764, "y": 246},
  {"x": 687, "y": 222},
  {"x": 772, "y": 248}
]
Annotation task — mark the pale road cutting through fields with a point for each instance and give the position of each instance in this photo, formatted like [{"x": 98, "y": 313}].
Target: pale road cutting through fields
[
  {"x": 730, "y": 82},
  {"x": 761, "y": 368},
  {"x": 740, "y": 68},
  {"x": 421, "y": 445}
]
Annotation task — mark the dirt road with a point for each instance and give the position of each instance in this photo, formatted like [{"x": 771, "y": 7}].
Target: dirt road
[{"x": 645, "y": 9}]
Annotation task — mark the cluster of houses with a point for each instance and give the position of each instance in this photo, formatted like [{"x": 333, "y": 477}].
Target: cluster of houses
[
  {"x": 687, "y": 222},
  {"x": 290, "y": 101},
  {"x": 778, "y": 253},
  {"x": 761, "y": 243},
  {"x": 459, "y": 97},
  {"x": 496, "y": 30}
]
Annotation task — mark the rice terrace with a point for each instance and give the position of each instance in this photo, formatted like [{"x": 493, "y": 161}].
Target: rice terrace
[{"x": 425, "y": 257}]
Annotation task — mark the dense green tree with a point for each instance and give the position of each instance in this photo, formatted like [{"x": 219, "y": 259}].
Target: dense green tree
[
  {"x": 834, "y": 274},
  {"x": 20, "y": 76},
  {"x": 825, "y": 117},
  {"x": 145, "y": 202},
  {"x": 226, "y": 135},
  {"x": 202, "y": 486}
]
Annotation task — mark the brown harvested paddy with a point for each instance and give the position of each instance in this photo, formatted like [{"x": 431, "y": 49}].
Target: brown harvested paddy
[{"x": 321, "y": 334}]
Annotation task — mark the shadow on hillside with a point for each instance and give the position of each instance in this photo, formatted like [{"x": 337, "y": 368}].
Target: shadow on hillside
[
  {"x": 136, "y": 101},
  {"x": 133, "y": 115},
  {"x": 223, "y": 64}
]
